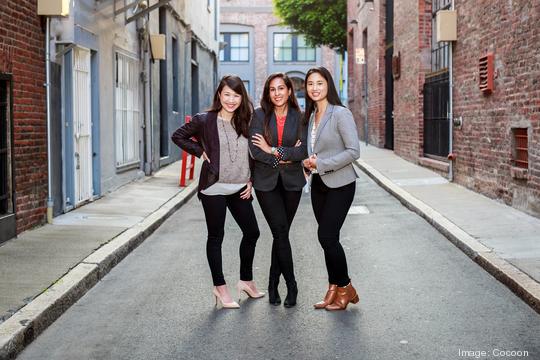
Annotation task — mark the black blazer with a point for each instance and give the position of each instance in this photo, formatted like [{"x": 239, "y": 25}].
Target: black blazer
[
  {"x": 203, "y": 127},
  {"x": 264, "y": 175}
]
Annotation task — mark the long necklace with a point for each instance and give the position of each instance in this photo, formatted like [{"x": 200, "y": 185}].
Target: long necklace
[{"x": 228, "y": 142}]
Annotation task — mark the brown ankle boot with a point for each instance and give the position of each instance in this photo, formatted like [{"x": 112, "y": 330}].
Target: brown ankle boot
[
  {"x": 328, "y": 298},
  {"x": 344, "y": 295}
]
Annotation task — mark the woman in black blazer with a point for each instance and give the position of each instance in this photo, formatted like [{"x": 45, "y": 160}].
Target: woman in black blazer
[
  {"x": 225, "y": 181},
  {"x": 278, "y": 145}
]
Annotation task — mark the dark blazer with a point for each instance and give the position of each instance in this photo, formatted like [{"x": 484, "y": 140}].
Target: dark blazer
[
  {"x": 203, "y": 127},
  {"x": 265, "y": 175}
]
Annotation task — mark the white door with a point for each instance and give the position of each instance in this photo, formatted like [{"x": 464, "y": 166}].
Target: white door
[{"x": 82, "y": 125}]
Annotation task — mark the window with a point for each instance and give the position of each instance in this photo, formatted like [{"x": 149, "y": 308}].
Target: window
[
  {"x": 237, "y": 47},
  {"x": 126, "y": 110},
  {"x": 292, "y": 47},
  {"x": 440, "y": 54},
  {"x": 246, "y": 85}
]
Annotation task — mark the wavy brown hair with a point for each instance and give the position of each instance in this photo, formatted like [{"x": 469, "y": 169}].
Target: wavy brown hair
[
  {"x": 268, "y": 106},
  {"x": 242, "y": 115},
  {"x": 332, "y": 96}
]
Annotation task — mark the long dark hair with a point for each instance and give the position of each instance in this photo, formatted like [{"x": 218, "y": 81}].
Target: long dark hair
[
  {"x": 268, "y": 106},
  {"x": 241, "y": 116},
  {"x": 332, "y": 97}
]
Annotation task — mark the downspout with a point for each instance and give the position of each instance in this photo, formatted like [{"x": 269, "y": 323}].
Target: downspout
[
  {"x": 50, "y": 202},
  {"x": 450, "y": 108}
]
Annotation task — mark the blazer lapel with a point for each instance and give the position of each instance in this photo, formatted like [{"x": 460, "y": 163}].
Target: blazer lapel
[
  {"x": 289, "y": 130},
  {"x": 326, "y": 118},
  {"x": 273, "y": 129},
  {"x": 310, "y": 127}
]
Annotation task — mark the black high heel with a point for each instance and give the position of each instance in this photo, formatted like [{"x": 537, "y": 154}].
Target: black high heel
[
  {"x": 292, "y": 293},
  {"x": 273, "y": 294}
]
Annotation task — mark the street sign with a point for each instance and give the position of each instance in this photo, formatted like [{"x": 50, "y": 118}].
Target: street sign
[{"x": 359, "y": 55}]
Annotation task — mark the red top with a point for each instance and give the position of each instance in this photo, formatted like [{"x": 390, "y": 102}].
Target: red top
[{"x": 280, "y": 121}]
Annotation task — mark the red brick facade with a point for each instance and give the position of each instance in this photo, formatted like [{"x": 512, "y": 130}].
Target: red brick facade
[
  {"x": 484, "y": 145},
  {"x": 367, "y": 19},
  {"x": 22, "y": 55}
]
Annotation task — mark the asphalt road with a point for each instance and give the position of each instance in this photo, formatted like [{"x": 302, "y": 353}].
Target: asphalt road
[{"x": 420, "y": 298}]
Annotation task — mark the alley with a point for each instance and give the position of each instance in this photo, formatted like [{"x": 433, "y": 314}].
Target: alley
[{"x": 420, "y": 297}]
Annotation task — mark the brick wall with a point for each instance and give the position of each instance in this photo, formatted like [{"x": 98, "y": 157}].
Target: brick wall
[
  {"x": 511, "y": 30},
  {"x": 21, "y": 31},
  {"x": 369, "y": 17},
  {"x": 412, "y": 32}
]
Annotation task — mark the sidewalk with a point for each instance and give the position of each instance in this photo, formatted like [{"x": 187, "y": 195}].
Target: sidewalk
[
  {"x": 45, "y": 270},
  {"x": 501, "y": 239}
]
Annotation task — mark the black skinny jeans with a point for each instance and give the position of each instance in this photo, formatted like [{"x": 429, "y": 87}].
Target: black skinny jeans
[
  {"x": 215, "y": 209},
  {"x": 279, "y": 207},
  {"x": 331, "y": 206}
]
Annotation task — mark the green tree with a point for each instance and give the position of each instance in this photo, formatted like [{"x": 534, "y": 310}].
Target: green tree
[{"x": 322, "y": 22}]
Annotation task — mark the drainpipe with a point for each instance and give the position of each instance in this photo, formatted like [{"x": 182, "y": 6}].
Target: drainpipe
[
  {"x": 450, "y": 110},
  {"x": 48, "y": 95}
]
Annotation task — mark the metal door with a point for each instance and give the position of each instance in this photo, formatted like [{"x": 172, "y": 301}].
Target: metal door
[
  {"x": 7, "y": 180},
  {"x": 436, "y": 121},
  {"x": 82, "y": 125}
]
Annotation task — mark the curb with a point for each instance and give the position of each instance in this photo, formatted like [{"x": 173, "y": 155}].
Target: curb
[
  {"x": 31, "y": 320},
  {"x": 513, "y": 278}
]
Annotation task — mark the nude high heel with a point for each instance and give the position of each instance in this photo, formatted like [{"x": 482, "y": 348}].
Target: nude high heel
[
  {"x": 219, "y": 300},
  {"x": 243, "y": 286}
]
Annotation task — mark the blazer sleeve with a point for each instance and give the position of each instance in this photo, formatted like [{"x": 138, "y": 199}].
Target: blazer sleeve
[
  {"x": 183, "y": 136},
  {"x": 347, "y": 131},
  {"x": 256, "y": 127},
  {"x": 297, "y": 153}
]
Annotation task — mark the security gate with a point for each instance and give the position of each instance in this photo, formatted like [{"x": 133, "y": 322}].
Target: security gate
[
  {"x": 82, "y": 125},
  {"x": 436, "y": 110},
  {"x": 7, "y": 183}
]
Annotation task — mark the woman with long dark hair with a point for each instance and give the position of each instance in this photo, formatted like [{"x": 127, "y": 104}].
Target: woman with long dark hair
[
  {"x": 278, "y": 145},
  {"x": 224, "y": 183},
  {"x": 333, "y": 145}
]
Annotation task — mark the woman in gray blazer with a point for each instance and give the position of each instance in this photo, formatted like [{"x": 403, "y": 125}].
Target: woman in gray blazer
[
  {"x": 278, "y": 146},
  {"x": 333, "y": 145}
]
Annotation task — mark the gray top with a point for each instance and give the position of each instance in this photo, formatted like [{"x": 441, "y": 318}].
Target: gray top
[{"x": 234, "y": 155}]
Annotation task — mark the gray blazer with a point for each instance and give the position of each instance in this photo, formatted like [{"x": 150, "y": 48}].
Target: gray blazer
[{"x": 336, "y": 146}]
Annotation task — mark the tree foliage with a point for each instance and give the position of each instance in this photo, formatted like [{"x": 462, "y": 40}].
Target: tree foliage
[{"x": 322, "y": 22}]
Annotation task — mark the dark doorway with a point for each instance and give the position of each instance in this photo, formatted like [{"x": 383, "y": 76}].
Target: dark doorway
[
  {"x": 56, "y": 139},
  {"x": 8, "y": 225},
  {"x": 163, "y": 83}
]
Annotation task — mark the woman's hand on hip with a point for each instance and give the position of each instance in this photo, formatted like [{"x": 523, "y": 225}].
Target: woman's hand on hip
[
  {"x": 246, "y": 194},
  {"x": 205, "y": 157}
]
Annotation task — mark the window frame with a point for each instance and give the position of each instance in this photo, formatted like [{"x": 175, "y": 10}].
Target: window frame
[
  {"x": 227, "y": 50},
  {"x": 121, "y": 125},
  {"x": 294, "y": 48}
]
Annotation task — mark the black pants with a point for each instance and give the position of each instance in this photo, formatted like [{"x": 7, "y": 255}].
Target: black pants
[
  {"x": 331, "y": 206},
  {"x": 279, "y": 207},
  {"x": 215, "y": 209}
]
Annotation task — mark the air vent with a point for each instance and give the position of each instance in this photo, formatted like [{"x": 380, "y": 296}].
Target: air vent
[
  {"x": 485, "y": 68},
  {"x": 521, "y": 148}
]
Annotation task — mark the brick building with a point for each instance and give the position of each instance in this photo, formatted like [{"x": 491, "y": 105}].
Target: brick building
[
  {"x": 495, "y": 138},
  {"x": 256, "y": 44},
  {"x": 23, "y": 126}
]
